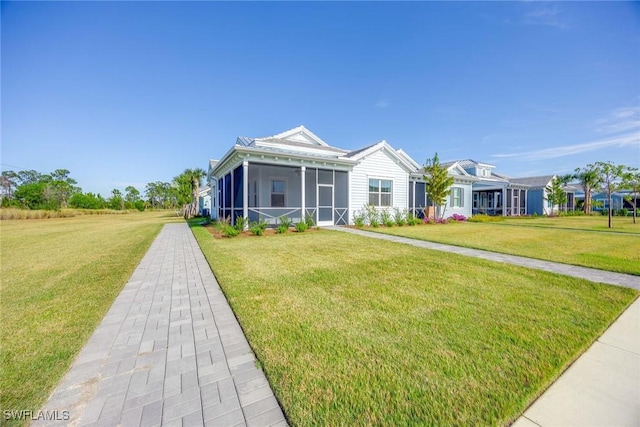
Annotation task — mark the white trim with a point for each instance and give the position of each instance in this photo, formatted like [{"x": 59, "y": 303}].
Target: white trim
[
  {"x": 318, "y": 207},
  {"x": 380, "y": 178},
  {"x": 245, "y": 190},
  {"x": 303, "y": 183}
]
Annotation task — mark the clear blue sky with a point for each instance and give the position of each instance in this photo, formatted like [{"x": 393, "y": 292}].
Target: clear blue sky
[{"x": 128, "y": 93}]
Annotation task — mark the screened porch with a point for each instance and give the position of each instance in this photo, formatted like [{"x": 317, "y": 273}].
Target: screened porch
[{"x": 267, "y": 192}]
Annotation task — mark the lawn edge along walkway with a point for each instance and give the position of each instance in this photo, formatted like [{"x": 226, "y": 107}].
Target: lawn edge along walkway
[
  {"x": 169, "y": 352},
  {"x": 602, "y": 387},
  {"x": 591, "y": 274}
]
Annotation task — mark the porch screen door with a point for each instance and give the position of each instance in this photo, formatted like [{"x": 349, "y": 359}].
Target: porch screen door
[{"x": 325, "y": 204}]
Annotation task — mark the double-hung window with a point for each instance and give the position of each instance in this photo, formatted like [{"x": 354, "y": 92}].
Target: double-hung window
[
  {"x": 278, "y": 190},
  {"x": 380, "y": 192},
  {"x": 457, "y": 197}
]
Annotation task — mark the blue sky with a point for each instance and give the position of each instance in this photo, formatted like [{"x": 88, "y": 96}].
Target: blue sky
[{"x": 127, "y": 93}]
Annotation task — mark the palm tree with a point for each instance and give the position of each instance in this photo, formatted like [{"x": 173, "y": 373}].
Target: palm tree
[
  {"x": 196, "y": 177},
  {"x": 188, "y": 186},
  {"x": 589, "y": 179}
]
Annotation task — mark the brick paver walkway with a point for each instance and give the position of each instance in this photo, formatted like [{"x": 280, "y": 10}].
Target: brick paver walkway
[{"x": 169, "y": 352}]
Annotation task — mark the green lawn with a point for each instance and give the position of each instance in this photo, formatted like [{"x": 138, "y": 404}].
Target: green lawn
[
  {"x": 59, "y": 278},
  {"x": 356, "y": 331},
  {"x": 606, "y": 251},
  {"x": 593, "y": 223}
]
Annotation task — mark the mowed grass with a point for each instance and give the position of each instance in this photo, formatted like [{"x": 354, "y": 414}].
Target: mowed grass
[
  {"x": 592, "y": 223},
  {"x": 355, "y": 331},
  {"x": 59, "y": 278},
  {"x": 606, "y": 251}
]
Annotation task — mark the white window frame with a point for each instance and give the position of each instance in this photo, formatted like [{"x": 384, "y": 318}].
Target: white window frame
[
  {"x": 379, "y": 193},
  {"x": 457, "y": 201}
]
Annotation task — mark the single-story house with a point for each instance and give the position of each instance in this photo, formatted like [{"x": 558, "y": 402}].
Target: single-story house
[
  {"x": 493, "y": 193},
  {"x": 537, "y": 199},
  {"x": 297, "y": 174},
  {"x": 619, "y": 199},
  {"x": 204, "y": 201}
]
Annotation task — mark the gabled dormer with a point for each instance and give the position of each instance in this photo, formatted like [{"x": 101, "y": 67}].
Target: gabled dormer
[{"x": 297, "y": 140}]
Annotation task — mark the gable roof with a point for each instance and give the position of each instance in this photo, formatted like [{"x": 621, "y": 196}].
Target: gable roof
[
  {"x": 298, "y": 134},
  {"x": 383, "y": 145},
  {"x": 468, "y": 163}
]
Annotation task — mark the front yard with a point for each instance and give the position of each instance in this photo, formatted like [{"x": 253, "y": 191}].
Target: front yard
[
  {"x": 550, "y": 239},
  {"x": 351, "y": 330}
]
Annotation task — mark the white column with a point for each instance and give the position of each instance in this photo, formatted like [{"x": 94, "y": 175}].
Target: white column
[
  {"x": 413, "y": 210},
  {"x": 245, "y": 190},
  {"x": 303, "y": 170},
  {"x": 349, "y": 202},
  {"x": 504, "y": 201}
]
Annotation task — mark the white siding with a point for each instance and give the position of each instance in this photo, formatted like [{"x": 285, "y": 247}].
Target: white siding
[
  {"x": 467, "y": 206},
  {"x": 378, "y": 165}
]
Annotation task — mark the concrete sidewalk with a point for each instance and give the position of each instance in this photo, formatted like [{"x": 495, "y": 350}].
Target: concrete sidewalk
[
  {"x": 169, "y": 352},
  {"x": 602, "y": 388}
]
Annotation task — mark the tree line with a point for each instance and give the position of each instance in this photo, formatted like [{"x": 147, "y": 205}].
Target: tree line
[{"x": 30, "y": 189}]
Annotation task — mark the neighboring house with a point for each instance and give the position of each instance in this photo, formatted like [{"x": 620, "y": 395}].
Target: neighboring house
[
  {"x": 618, "y": 200},
  {"x": 204, "y": 201},
  {"x": 297, "y": 174},
  {"x": 537, "y": 200},
  {"x": 492, "y": 193}
]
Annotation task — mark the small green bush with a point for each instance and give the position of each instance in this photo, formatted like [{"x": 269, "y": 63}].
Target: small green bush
[
  {"x": 309, "y": 221},
  {"x": 412, "y": 219},
  {"x": 372, "y": 215},
  {"x": 359, "y": 219},
  {"x": 301, "y": 227},
  {"x": 485, "y": 218},
  {"x": 385, "y": 218},
  {"x": 241, "y": 223},
  {"x": 399, "y": 217},
  {"x": 230, "y": 231},
  {"x": 257, "y": 228},
  {"x": 284, "y": 221},
  {"x": 281, "y": 229}
]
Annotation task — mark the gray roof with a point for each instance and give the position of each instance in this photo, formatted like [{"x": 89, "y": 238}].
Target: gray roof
[
  {"x": 305, "y": 145},
  {"x": 359, "y": 150},
  {"x": 534, "y": 181}
]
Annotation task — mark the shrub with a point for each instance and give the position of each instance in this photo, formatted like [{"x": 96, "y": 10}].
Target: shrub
[
  {"x": 485, "y": 218},
  {"x": 308, "y": 220},
  {"x": 428, "y": 220},
  {"x": 257, "y": 228},
  {"x": 458, "y": 218},
  {"x": 281, "y": 229},
  {"x": 372, "y": 215},
  {"x": 230, "y": 231},
  {"x": 385, "y": 218},
  {"x": 399, "y": 217},
  {"x": 284, "y": 221},
  {"x": 359, "y": 219},
  {"x": 412, "y": 219},
  {"x": 241, "y": 223},
  {"x": 301, "y": 227}
]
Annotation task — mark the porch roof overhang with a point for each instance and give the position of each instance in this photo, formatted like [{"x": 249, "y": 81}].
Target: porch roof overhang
[
  {"x": 237, "y": 154},
  {"x": 498, "y": 186},
  {"x": 459, "y": 179}
]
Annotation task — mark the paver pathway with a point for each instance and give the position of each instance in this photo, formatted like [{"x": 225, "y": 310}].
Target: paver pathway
[
  {"x": 169, "y": 352},
  {"x": 602, "y": 387}
]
